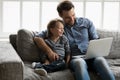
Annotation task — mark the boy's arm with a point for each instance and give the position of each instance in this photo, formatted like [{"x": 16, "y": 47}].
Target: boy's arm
[{"x": 42, "y": 45}]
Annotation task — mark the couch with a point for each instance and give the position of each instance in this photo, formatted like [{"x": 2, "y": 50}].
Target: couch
[{"x": 17, "y": 54}]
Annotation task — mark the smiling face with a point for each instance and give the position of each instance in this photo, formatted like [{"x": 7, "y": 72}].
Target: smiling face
[
  {"x": 68, "y": 16},
  {"x": 58, "y": 30}
]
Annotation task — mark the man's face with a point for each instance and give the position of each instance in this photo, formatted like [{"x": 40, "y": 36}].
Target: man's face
[{"x": 68, "y": 16}]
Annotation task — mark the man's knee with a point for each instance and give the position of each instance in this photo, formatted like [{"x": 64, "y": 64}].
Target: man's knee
[
  {"x": 100, "y": 61},
  {"x": 78, "y": 62}
]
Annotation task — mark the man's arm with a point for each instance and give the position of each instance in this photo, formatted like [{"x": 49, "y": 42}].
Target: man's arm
[
  {"x": 42, "y": 45},
  {"x": 92, "y": 31}
]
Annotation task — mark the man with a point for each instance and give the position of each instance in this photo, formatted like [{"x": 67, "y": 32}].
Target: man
[{"x": 79, "y": 32}]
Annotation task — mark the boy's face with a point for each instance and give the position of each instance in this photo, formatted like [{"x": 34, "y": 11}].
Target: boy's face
[
  {"x": 68, "y": 17},
  {"x": 58, "y": 30}
]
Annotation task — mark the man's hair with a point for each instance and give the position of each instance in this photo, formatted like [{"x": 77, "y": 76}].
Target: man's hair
[{"x": 64, "y": 5}]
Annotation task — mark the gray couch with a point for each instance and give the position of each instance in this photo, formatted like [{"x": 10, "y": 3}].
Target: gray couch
[{"x": 17, "y": 55}]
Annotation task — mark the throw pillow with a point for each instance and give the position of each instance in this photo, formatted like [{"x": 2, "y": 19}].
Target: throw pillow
[
  {"x": 26, "y": 46},
  {"x": 115, "y": 48}
]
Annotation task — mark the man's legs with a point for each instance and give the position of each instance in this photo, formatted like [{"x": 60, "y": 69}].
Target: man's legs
[
  {"x": 79, "y": 67},
  {"x": 103, "y": 69}
]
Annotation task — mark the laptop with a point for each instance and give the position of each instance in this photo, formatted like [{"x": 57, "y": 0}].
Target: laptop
[{"x": 97, "y": 48}]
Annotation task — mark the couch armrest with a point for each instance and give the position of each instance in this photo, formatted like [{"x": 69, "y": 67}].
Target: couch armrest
[{"x": 11, "y": 65}]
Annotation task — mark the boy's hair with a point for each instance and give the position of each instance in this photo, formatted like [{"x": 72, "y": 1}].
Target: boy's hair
[
  {"x": 52, "y": 24},
  {"x": 64, "y": 5}
]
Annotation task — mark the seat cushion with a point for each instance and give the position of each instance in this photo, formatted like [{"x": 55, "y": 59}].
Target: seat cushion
[
  {"x": 115, "y": 67},
  {"x": 26, "y": 47},
  {"x": 29, "y": 74}
]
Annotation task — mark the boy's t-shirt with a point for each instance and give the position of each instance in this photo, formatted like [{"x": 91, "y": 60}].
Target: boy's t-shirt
[{"x": 61, "y": 47}]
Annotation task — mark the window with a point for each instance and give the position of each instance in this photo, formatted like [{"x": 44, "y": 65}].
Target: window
[
  {"x": 93, "y": 12},
  {"x": 30, "y": 15},
  {"x": 16, "y": 16},
  {"x": 111, "y": 15},
  {"x": 78, "y": 9},
  {"x": 48, "y": 12},
  {"x": 35, "y": 14},
  {"x": 11, "y": 18}
]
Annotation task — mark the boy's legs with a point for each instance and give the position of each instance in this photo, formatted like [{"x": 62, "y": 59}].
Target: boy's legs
[
  {"x": 38, "y": 68},
  {"x": 55, "y": 66},
  {"x": 52, "y": 67}
]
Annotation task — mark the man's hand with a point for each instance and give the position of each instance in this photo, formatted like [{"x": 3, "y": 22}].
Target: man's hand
[
  {"x": 42, "y": 45},
  {"x": 53, "y": 56}
]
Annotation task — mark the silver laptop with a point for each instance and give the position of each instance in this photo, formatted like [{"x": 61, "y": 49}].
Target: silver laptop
[{"x": 98, "y": 48}]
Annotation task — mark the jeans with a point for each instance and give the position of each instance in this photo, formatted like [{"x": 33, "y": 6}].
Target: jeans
[
  {"x": 52, "y": 67},
  {"x": 99, "y": 65}
]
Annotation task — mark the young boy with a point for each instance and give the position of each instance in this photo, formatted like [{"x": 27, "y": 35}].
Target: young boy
[{"x": 58, "y": 43}]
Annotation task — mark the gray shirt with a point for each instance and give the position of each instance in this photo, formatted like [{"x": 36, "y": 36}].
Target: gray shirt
[{"x": 61, "y": 47}]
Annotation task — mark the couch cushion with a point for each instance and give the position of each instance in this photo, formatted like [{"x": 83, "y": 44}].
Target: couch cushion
[
  {"x": 29, "y": 74},
  {"x": 26, "y": 47},
  {"x": 115, "y": 48},
  {"x": 115, "y": 67},
  {"x": 12, "y": 39},
  {"x": 62, "y": 75}
]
